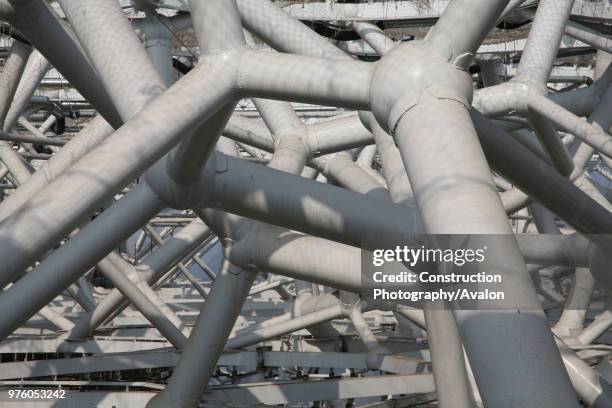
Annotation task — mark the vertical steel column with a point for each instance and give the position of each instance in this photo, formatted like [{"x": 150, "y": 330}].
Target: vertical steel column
[
  {"x": 453, "y": 388},
  {"x": 459, "y": 197}
]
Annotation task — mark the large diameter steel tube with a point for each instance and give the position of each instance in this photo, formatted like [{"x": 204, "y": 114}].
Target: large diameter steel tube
[
  {"x": 87, "y": 139},
  {"x": 589, "y": 36},
  {"x": 37, "y": 21},
  {"x": 66, "y": 264},
  {"x": 132, "y": 87},
  {"x": 373, "y": 36},
  {"x": 185, "y": 161},
  {"x": 294, "y": 202},
  {"x": 458, "y": 48},
  {"x": 287, "y": 253},
  {"x": 349, "y": 174},
  {"x": 213, "y": 36},
  {"x": 458, "y": 196},
  {"x": 336, "y": 135},
  {"x": 395, "y": 175},
  {"x": 450, "y": 374},
  {"x": 466, "y": 185},
  {"x": 11, "y": 72},
  {"x": 543, "y": 42},
  {"x": 35, "y": 70},
  {"x": 550, "y": 188},
  {"x": 534, "y": 70},
  {"x": 599, "y": 116},
  {"x": 283, "y": 31},
  {"x": 192, "y": 372},
  {"x": 132, "y": 149},
  {"x": 343, "y": 83},
  {"x": 467, "y": 181},
  {"x": 547, "y": 249},
  {"x": 590, "y": 134},
  {"x": 9, "y": 80},
  {"x": 290, "y": 155}
]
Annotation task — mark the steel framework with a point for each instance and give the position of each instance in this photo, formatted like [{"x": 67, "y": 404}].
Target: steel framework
[{"x": 431, "y": 139}]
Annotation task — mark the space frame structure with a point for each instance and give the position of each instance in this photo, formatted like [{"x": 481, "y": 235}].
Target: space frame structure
[{"x": 422, "y": 151}]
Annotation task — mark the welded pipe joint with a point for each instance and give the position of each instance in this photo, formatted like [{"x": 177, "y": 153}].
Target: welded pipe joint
[{"x": 418, "y": 70}]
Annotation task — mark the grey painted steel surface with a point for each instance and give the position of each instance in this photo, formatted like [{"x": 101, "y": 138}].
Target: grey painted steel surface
[
  {"x": 269, "y": 219},
  {"x": 192, "y": 373},
  {"x": 43, "y": 29},
  {"x": 150, "y": 270},
  {"x": 9, "y": 79},
  {"x": 36, "y": 68}
]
